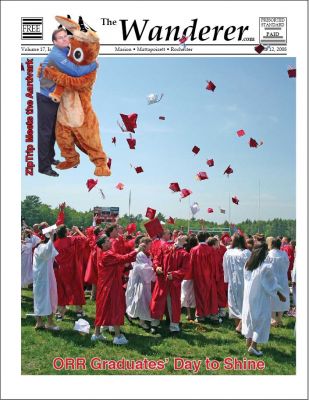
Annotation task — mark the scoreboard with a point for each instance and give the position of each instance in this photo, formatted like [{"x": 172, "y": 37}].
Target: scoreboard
[{"x": 106, "y": 214}]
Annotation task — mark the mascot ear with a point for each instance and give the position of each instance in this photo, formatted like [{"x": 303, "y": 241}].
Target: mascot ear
[{"x": 68, "y": 23}]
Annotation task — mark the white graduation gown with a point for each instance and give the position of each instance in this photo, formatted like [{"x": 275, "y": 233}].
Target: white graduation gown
[
  {"x": 280, "y": 264},
  {"x": 26, "y": 260},
  {"x": 233, "y": 265},
  {"x": 138, "y": 293},
  {"x": 260, "y": 286},
  {"x": 44, "y": 282},
  {"x": 187, "y": 294}
]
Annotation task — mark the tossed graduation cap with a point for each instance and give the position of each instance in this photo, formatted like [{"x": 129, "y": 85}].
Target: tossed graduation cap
[
  {"x": 170, "y": 220},
  {"x": 22, "y": 67},
  {"x": 162, "y": 117},
  {"x": 195, "y": 208},
  {"x": 109, "y": 163},
  {"x": 259, "y": 48},
  {"x": 183, "y": 39},
  {"x": 210, "y": 210},
  {"x": 253, "y": 143},
  {"x": 102, "y": 194},
  {"x": 292, "y": 72},
  {"x": 82, "y": 326},
  {"x": 228, "y": 171},
  {"x": 138, "y": 170},
  {"x": 196, "y": 149},
  {"x": 114, "y": 140},
  {"x": 202, "y": 176},
  {"x": 150, "y": 213},
  {"x": 210, "y": 86},
  {"x": 241, "y": 133},
  {"x": 235, "y": 200},
  {"x": 120, "y": 186},
  {"x": 174, "y": 186},
  {"x": 129, "y": 122},
  {"x": 210, "y": 162},
  {"x": 91, "y": 184},
  {"x": 222, "y": 211},
  {"x": 131, "y": 143},
  {"x": 131, "y": 228},
  {"x": 153, "y": 227},
  {"x": 185, "y": 193},
  {"x": 154, "y": 98}
]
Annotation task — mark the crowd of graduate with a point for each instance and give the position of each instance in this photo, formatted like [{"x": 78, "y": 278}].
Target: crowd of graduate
[{"x": 141, "y": 276}]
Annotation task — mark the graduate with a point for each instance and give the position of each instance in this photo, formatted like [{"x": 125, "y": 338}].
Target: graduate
[
  {"x": 28, "y": 243},
  {"x": 91, "y": 274},
  {"x": 138, "y": 293},
  {"x": 279, "y": 262},
  {"x": 203, "y": 273},
  {"x": 170, "y": 270},
  {"x": 221, "y": 285},
  {"x": 187, "y": 286},
  {"x": 110, "y": 301},
  {"x": 259, "y": 287},
  {"x": 218, "y": 277},
  {"x": 69, "y": 271},
  {"x": 234, "y": 261},
  {"x": 44, "y": 283}
]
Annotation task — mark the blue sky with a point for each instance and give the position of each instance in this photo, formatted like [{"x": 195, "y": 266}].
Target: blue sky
[{"x": 254, "y": 94}]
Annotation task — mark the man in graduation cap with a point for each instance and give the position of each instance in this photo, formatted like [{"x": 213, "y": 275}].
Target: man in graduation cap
[
  {"x": 47, "y": 108},
  {"x": 170, "y": 269}
]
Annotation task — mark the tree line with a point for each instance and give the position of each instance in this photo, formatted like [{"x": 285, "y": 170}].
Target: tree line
[{"x": 34, "y": 211}]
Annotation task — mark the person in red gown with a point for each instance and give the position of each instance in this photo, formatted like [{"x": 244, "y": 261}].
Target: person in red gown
[
  {"x": 91, "y": 274},
  {"x": 171, "y": 267},
  {"x": 110, "y": 301},
  {"x": 204, "y": 278},
  {"x": 290, "y": 251},
  {"x": 221, "y": 285},
  {"x": 69, "y": 270}
]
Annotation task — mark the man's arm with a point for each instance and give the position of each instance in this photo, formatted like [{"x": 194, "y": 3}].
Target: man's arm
[
  {"x": 59, "y": 60},
  {"x": 69, "y": 82}
]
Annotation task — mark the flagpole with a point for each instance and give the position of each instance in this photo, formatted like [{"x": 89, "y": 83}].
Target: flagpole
[
  {"x": 259, "y": 203},
  {"x": 229, "y": 202},
  {"x": 130, "y": 203},
  {"x": 189, "y": 215}
]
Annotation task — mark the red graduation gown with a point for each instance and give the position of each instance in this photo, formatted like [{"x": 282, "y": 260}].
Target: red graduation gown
[
  {"x": 291, "y": 255},
  {"x": 176, "y": 261},
  {"x": 69, "y": 273},
  {"x": 204, "y": 276},
  {"x": 155, "y": 248},
  {"x": 221, "y": 286},
  {"x": 91, "y": 275},
  {"x": 110, "y": 299}
]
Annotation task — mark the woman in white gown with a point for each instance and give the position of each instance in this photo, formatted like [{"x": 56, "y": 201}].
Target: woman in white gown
[
  {"x": 280, "y": 265},
  {"x": 28, "y": 242},
  {"x": 138, "y": 293},
  {"x": 45, "y": 295},
  {"x": 260, "y": 286},
  {"x": 234, "y": 261}
]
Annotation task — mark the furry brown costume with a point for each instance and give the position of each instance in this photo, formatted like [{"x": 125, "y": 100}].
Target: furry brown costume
[{"x": 77, "y": 123}]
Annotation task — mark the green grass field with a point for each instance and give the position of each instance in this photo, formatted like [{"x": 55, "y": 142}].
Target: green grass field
[{"x": 196, "y": 342}]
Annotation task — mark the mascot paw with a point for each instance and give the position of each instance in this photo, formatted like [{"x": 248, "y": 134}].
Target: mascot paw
[
  {"x": 54, "y": 97},
  {"x": 67, "y": 164},
  {"x": 102, "y": 171}
]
